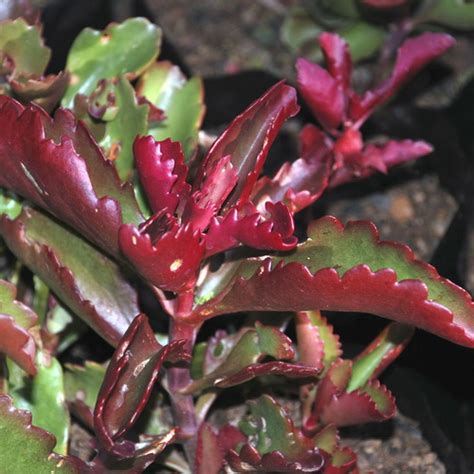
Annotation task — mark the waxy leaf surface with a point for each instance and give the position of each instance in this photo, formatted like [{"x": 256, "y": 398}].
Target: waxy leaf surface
[
  {"x": 15, "y": 320},
  {"x": 104, "y": 299},
  {"x": 129, "y": 380},
  {"x": 126, "y": 48},
  {"x": 23, "y": 445},
  {"x": 61, "y": 169},
  {"x": 350, "y": 269},
  {"x": 249, "y": 137},
  {"x": 182, "y": 101},
  {"x": 243, "y": 361}
]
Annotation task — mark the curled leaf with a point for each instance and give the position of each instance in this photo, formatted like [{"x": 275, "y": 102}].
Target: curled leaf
[{"x": 128, "y": 383}]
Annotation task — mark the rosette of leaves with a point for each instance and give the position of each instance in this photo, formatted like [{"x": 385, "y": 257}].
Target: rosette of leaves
[
  {"x": 369, "y": 26},
  {"x": 210, "y": 237}
]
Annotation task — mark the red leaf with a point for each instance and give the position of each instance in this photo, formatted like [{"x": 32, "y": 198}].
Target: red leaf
[
  {"x": 359, "y": 407},
  {"x": 322, "y": 93},
  {"x": 380, "y": 157},
  {"x": 300, "y": 183},
  {"x": 162, "y": 173},
  {"x": 274, "y": 233},
  {"x": 248, "y": 139},
  {"x": 58, "y": 166},
  {"x": 412, "y": 56},
  {"x": 128, "y": 382},
  {"x": 338, "y": 59},
  {"x": 17, "y": 343},
  {"x": 209, "y": 457},
  {"x": 171, "y": 263}
]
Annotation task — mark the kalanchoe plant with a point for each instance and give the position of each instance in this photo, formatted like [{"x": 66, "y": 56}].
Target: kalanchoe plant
[{"x": 111, "y": 195}]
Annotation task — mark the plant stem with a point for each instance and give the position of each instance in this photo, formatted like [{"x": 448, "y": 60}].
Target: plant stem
[{"x": 178, "y": 378}]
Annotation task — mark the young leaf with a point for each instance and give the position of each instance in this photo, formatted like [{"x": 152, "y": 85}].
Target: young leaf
[
  {"x": 279, "y": 446},
  {"x": 209, "y": 454},
  {"x": 128, "y": 383},
  {"x": 249, "y": 137},
  {"x": 89, "y": 198},
  {"x": 182, "y": 101},
  {"x": 126, "y": 48},
  {"x": 15, "y": 320},
  {"x": 23, "y": 445},
  {"x": 44, "y": 397},
  {"x": 351, "y": 269},
  {"x": 244, "y": 361},
  {"x": 104, "y": 299},
  {"x": 22, "y": 49}
]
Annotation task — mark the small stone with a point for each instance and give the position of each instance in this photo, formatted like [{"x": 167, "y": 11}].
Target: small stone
[{"x": 401, "y": 208}]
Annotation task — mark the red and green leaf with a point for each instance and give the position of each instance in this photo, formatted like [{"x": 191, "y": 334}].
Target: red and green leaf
[
  {"x": 23, "y": 445},
  {"x": 182, "y": 101},
  {"x": 15, "y": 320},
  {"x": 104, "y": 299},
  {"x": 350, "y": 269},
  {"x": 128, "y": 383},
  {"x": 57, "y": 165}
]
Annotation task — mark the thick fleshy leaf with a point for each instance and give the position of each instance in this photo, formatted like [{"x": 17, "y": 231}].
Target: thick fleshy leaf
[
  {"x": 43, "y": 396},
  {"x": 15, "y": 320},
  {"x": 22, "y": 50},
  {"x": 104, "y": 299},
  {"x": 322, "y": 93},
  {"x": 130, "y": 120},
  {"x": 274, "y": 233},
  {"x": 171, "y": 263},
  {"x": 241, "y": 360},
  {"x": 61, "y": 169},
  {"x": 23, "y": 445},
  {"x": 350, "y": 269},
  {"x": 162, "y": 173},
  {"x": 380, "y": 158},
  {"x": 128, "y": 383},
  {"x": 248, "y": 139},
  {"x": 412, "y": 56},
  {"x": 182, "y": 101},
  {"x": 338, "y": 59},
  {"x": 9, "y": 205},
  {"x": 318, "y": 346},
  {"x": 279, "y": 446},
  {"x": 302, "y": 182},
  {"x": 383, "y": 350},
  {"x": 43, "y": 91},
  {"x": 209, "y": 457},
  {"x": 126, "y": 48},
  {"x": 371, "y": 403}
]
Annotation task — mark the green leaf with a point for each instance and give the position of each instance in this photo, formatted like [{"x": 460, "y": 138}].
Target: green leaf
[
  {"x": 126, "y": 48},
  {"x": 458, "y": 14},
  {"x": 364, "y": 39},
  {"x": 43, "y": 396},
  {"x": 165, "y": 86},
  {"x": 27, "y": 449},
  {"x": 130, "y": 121},
  {"x": 22, "y": 44},
  {"x": 84, "y": 382},
  {"x": 64, "y": 324},
  {"x": 22, "y": 315},
  {"x": 9, "y": 206}
]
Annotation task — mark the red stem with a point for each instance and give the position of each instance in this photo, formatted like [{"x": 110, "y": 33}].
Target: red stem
[{"x": 180, "y": 377}]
